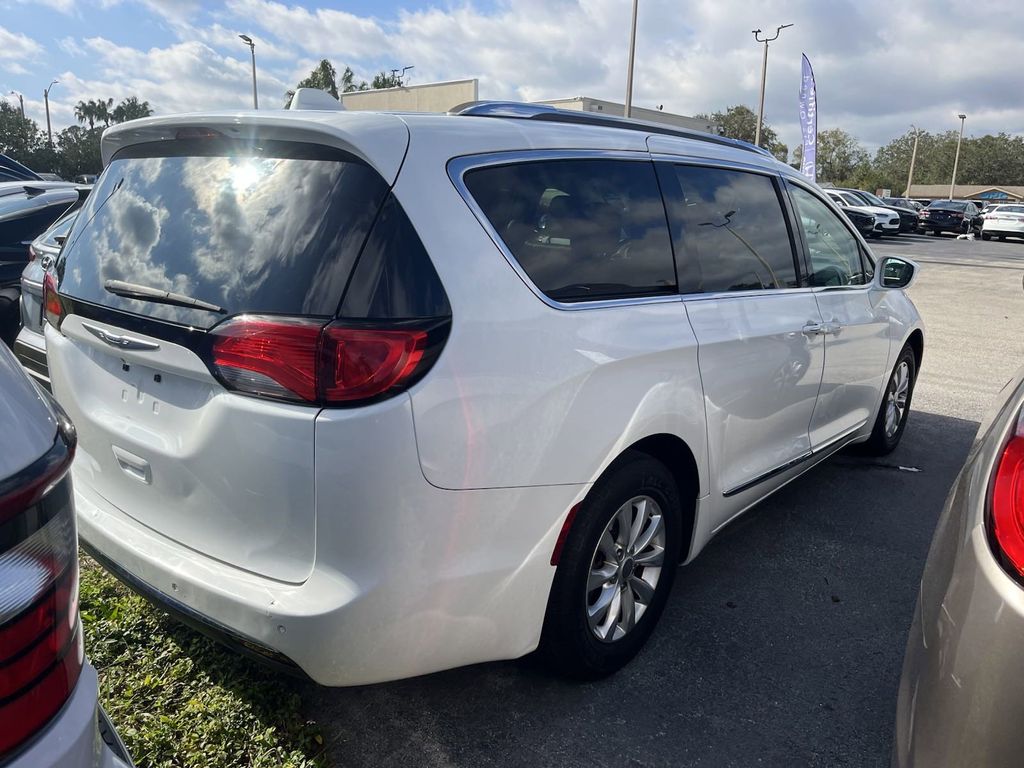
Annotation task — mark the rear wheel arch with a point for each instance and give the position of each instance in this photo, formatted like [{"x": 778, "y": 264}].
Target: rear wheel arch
[{"x": 677, "y": 457}]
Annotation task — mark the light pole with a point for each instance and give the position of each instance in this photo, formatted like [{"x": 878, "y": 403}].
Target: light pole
[
  {"x": 21, "y": 101},
  {"x": 252, "y": 49},
  {"x": 913, "y": 157},
  {"x": 46, "y": 100},
  {"x": 764, "y": 75},
  {"x": 956, "y": 160},
  {"x": 629, "y": 67}
]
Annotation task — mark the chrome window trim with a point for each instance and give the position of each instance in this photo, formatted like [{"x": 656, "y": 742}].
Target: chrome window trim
[{"x": 458, "y": 167}]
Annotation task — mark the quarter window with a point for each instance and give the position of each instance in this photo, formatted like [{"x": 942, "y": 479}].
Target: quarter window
[
  {"x": 833, "y": 251},
  {"x": 581, "y": 229},
  {"x": 732, "y": 229}
]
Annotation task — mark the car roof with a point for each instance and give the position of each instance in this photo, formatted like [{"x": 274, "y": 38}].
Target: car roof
[{"x": 381, "y": 138}]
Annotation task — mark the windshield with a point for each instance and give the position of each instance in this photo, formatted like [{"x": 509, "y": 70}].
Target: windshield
[
  {"x": 272, "y": 229},
  {"x": 1009, "y": 209},
  {"x": 948, "y": 205},
  {"x": 873, "y": 199}
]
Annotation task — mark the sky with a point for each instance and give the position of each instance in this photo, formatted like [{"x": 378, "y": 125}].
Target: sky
[{"x": 880, "y": 66}]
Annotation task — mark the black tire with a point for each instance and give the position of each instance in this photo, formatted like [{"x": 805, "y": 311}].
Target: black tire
[
  {"x": 935, "y": 232},
  {"x": 1002, "y": 238},
  {"x": 568, "y": 646},
  {"x": 986, "y": 236},
  {"x": 881, "y": 442}
]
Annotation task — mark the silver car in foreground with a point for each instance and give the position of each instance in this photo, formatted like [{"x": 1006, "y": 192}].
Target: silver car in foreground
[
  {"x": 49, "y": 716},
  {"x": 961, "y": 698}
]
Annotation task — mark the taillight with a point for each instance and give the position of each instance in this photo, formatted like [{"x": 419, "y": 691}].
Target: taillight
[
  {"x": 307, "y": 360},
  {"x": 51, "y": 301},
  {"x": 1007, "y": 512},
  {"x": 41, "y": 654}
]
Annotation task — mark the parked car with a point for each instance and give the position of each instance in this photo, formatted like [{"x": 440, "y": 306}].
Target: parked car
[
  {"x": 12, "y": 170},
  {"x": 960, "y": 699},
  {"x": 48, "y": 706},
  {"x": 907, "y": 214},
  {"x": 27, "y": 209},
  {"x": 864, "y": 222},
  {"x": 887, "y": 222},
  {"x": 85, "y": 178},
  {"x": 30, "y": 346},
  {"x": 903, "y": 202},
  {"x": 50, "y": 177},
  {"x": 440, "y": 403},
  {"x": 1003, "y": 221},
  {"x": 958, "y": 216}
]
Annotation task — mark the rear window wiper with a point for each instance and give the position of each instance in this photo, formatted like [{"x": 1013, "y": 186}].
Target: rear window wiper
[{"x": 145, "y": 293}]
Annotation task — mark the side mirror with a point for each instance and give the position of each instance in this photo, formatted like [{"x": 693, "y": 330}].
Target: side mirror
[{"x": 894, "y": 272}]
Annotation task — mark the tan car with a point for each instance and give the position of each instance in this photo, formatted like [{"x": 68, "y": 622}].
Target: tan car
[{"x": 961, "y": 697}]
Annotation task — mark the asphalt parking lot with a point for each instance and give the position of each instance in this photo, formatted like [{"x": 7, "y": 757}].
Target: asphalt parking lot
[{"x": 782, "y": 643}]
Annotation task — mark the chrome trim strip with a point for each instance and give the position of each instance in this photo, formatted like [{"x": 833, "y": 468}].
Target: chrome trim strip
[
  {"x": 457, "y": 168},
  {"x": 823, "y": 448},
  {"x": 119, "y": 341},
  {"x": 32, "y": 284}
]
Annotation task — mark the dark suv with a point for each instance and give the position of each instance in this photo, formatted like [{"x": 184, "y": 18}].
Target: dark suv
[{"x": 958, "y": 216}]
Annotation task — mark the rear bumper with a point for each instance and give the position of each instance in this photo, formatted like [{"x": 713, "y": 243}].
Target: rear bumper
[
  {"x": 80, "y": 736},
  {"x": 408, "y": 578},
  {"x": 960, "y": 698}
]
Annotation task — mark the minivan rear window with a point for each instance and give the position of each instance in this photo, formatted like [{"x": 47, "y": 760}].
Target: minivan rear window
[{"x": 262, "y": 227}]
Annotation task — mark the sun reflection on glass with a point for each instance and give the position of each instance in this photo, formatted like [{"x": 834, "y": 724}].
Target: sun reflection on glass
[{"x": 244, "y": 175}]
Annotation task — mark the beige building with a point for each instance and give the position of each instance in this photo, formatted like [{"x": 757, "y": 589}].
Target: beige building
[
  {"x": 588, "y": 104},
  {"x": 441, "y": 97},
  {"x": 428, "y": 97},
  {"x": 983, "y": 193}
]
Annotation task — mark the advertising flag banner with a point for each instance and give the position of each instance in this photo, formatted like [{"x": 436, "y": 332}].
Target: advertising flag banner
[{"x": 808, "y": 120}]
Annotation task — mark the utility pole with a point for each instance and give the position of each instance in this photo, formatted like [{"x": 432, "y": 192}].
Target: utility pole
[
  {"x": 21, "y": 101},
  {"x": 252, "y": 49},
  {"x": 956, "y": 160},
  {"x": 629, "y": 67},
  {"x": 764, "y": 76},
  {"x": 913, "y": 157},
  {"x": 46, "y": 100}
]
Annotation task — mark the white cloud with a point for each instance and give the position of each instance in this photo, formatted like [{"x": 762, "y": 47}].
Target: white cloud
[
  {"x": 14, "y": 45},
  {"x": 71, "y": 46}
]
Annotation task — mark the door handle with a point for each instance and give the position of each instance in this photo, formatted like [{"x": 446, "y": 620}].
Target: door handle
[
  {"x": 813, "y": 329},
  {"x": 831, "y": 328}
]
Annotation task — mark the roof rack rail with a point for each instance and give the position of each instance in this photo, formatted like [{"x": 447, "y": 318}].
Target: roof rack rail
[{"x": 526, "y": 111}]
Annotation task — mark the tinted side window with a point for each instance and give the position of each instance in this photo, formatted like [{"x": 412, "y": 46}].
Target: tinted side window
[
  {"x": 732, "y": 228},
  {"x": 394, "y": 278},
  {"x": 833, "y": 251},
  {"x": 581, "y": 229}
]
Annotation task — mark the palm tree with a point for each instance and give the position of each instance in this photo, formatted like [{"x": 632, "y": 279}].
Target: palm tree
[
  {"x": 85, "y": 112},
  {"x": 131, "y": 109},
  {"x": 103, "y": 110}
]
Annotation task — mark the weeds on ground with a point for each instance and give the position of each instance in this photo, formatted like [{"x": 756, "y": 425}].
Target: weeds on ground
[{"x": 179, "y": 699}]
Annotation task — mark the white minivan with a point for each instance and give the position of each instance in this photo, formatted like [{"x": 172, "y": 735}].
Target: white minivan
[{"x": 375, "y": 395}]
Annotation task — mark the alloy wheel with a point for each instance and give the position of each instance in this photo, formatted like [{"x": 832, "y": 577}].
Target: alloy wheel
[
  {"x": 896, "y": 398},
  {"x": 625, "y": 568}
]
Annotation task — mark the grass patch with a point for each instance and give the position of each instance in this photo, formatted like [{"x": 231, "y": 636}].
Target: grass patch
[{"x": 179, "y": 699}]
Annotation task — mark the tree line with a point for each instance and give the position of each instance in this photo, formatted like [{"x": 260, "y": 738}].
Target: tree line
[
  {"x": 325, "y": 77},
  {"x": 76, "y": 149},
  {"x": 844, "y": 161}
]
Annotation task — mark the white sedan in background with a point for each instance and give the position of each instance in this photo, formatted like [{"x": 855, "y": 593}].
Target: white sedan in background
[
  {"x": 887, "y": 221},
  {"x": 1003, "y": 221}
]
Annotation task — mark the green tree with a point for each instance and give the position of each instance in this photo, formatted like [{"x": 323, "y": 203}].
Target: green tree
[
  {"x": 841, "y": 160},
  {"x": 324, "y": 76},
  {"x": 86, "y": 112},
  {"x": 103, "y": 110},
  {"x": 19, "y": 136},
  {"x": 78, "y": 151},
  {"x": 740, "y": 122},
  {"x": 386, "y": 80},
  {"x": 348, "y": 82},
  {"x": 131, "y": 109}
]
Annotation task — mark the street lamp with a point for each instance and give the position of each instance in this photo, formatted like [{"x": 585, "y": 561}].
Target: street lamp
[
  {"x": 252, "y": 49},
  {"x": 764, "y": 74},
  {"x": 21, "y": 100},
  {"x": 46, "y": 99},
  {"x": 627, "y": 111},
  {"x": 913, "y": 157},
  {"x": 956, "y": 160}
]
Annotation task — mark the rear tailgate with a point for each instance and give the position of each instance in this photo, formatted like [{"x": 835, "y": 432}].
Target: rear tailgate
[{"x": 249, "y": 226}]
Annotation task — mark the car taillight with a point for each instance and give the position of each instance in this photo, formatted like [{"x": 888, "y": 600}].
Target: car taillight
[
  {"x": 1007, "y": 511},
  {"x": 41, "y": 654},
  {"x": 924, "y": 214},
  {"x": 308, "y": 360},
  {"x": 51, "y": 301}
]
